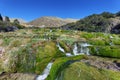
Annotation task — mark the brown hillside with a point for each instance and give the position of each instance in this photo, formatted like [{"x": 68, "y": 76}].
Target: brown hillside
[{"x": 50, "y": 22}]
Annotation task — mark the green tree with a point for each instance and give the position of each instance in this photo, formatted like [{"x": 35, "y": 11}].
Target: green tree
[
  {"x": 16, "y": 21},
  {"x": 107, "y": 15}
]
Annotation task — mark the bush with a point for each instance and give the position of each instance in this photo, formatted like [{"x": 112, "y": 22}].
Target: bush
[{"x": 107, "y": 15}]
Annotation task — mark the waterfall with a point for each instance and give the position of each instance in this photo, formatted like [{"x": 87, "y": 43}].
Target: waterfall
[
  {"x": 68, "y": 54},
  {"x": 75, "y": 49},
  {"x": 111, "y": 43},
  {"x": 85, "y": 44},
  {"x": 84, "y": 48},
  {"x": 60, "y": 48},
  {"x": 87, "y": 51},
  {"x": 50, "y": 31},
  {"x": 111, "y": 37},
  {"x": 45, "y": 72}
]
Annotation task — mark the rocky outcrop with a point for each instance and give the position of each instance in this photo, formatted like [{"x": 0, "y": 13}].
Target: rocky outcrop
[
  {"x": 8, "y": 29},
  {"x": 102, "y": 64}
]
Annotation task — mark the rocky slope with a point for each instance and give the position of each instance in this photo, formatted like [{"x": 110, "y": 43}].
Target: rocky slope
[
  {"x": 50, "y": 22},
  {"x": 104, "y": 22}
]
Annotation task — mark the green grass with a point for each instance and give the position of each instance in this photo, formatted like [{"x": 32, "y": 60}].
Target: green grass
[
  {"x": 81, "y": 71},
  {"x": 106, "y": 51}
]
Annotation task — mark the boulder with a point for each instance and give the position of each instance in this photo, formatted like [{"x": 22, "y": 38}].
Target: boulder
[{"x": 11, "y": 28}]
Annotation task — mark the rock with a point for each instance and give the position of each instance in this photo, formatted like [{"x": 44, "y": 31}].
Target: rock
[
  {"x": 116, "y": 29},
  {"x": 8, "y": 29},
  {"x": 117, "y": 63},
  {"x": 100, "y": 64},
  {"x": 17, "y": 76},
  {"x": 11, "y": 28}
]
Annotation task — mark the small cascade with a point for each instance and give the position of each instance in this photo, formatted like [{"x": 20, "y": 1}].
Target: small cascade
[
  {"x": 75, "y": 49},
  {"x": 111, "y": 43},
  {"x": 60, "y": 48},
  {"x": 84, "y": 48},
  {"x": 50, "y": 31},
  {"x": 85, "y": 44},
  {"x": 87, "y": 51},
  {"x": 45, "y": 72},
  {"x": 68, "y": 54},
  {"x": 111, "y": 37}
]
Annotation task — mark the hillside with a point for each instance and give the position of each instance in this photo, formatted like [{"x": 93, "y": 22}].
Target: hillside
[
  {"x": 104, "y": 22},
  {"x": 50, "y": 22}
]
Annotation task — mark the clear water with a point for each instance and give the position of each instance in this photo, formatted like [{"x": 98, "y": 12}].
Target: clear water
[
  {"x": 45, "y": 72},
  {"x": 60, "y": 48}
]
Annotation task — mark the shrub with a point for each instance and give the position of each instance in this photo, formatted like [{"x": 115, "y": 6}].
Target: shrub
[{"x": 107, "y": 15}]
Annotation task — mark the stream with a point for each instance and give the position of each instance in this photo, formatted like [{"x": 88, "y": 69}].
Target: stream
[
  {"x": 45, "y": 73},
  {"x": 76, "y": 51}
]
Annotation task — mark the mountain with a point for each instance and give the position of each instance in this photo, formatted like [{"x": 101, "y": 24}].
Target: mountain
[
  {"x": 50, "y": 21},
  {"x": 104, "y": 22}
]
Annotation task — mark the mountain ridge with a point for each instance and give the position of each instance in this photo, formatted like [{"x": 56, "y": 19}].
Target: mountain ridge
[{"x": 50, "y": 21}]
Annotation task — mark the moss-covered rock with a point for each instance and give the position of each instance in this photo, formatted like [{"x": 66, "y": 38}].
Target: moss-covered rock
[
  {"x": 45, "y": 54},
  {"x": 81, "y": 71},
  {"x": 105, "y": 51},
  {"x": 65, "y": 46},
  {"x": 62, "y": 63}
]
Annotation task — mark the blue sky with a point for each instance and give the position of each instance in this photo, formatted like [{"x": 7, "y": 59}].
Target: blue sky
[{"x": 32, "y": 9}]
